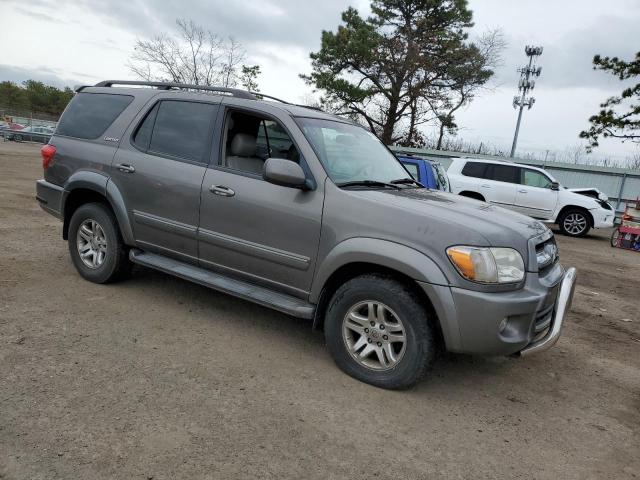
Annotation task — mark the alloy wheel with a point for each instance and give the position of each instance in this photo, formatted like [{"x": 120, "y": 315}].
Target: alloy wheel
[
  {"x": 374, "y": 335},
  {"x": 92, "y": 243},
  {"x": 575, "y": 223}
]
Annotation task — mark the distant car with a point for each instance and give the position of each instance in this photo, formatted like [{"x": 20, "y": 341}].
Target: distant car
[
  {"x": 29, "y": 133},
  {"x": 532, "y": 191},
  {"x": 429, "y": 173}
]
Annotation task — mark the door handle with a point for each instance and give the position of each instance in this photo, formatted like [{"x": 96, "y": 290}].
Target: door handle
[
  {"x": 125, "y": 168},
  {"x": 523, "y": 191},
  {"x": 485, "y": 186},
  {"x": 221, "y": 190}
]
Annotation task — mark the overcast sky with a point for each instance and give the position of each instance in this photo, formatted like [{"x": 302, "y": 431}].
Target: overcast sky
[{"x": 70, "y": 42}]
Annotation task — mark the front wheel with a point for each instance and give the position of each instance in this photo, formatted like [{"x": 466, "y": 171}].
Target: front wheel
[
  {"x": 378, "y": 332},
  {"x": 574, "y": 223}
]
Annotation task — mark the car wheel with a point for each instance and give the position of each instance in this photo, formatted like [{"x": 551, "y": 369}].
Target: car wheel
[
  {"x": 96, "y": 246},
  {"x": 378, "y": 331},
  {"x": 574, "y": 223},
  {"x": 17, "y": 138}
]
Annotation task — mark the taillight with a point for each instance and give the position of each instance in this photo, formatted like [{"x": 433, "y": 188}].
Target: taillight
[{"x": 47, "y": 152}]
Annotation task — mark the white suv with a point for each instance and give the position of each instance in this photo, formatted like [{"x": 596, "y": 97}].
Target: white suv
[{"x": 531, "y": 191}]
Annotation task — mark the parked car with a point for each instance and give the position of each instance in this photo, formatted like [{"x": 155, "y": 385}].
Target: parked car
[
  {"x": 30, "y": 133},
  {"x": 531, "y": 191},
  {"x": 429, "y": 173},
  {"x": 330, "y": 228}
]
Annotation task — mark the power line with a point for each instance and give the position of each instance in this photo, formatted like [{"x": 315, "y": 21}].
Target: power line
[{"x": 524, "y": 86}]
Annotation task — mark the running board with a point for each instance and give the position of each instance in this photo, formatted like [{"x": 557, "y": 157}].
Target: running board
[{"x": 263, "y": 296}]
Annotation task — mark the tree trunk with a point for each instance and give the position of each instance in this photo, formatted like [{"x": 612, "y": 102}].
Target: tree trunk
[
  {"x": 440, "y": 136},
  {"x": 389, "y": 125}
]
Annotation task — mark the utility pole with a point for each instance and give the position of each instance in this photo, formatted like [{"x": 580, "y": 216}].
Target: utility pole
[{"x": 524, "y": 85}]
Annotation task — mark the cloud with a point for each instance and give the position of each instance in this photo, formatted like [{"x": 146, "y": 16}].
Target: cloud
[
  {"x": 42, "y": 74},
  {"x": 287, "y": 22},
  {"x": 567, "y": 59}
]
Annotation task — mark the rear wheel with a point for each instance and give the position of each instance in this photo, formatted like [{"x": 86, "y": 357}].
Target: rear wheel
[
  {"x": 574, "y": 223},
  {"x": 95, "y": 244},
  {"x": 473, "y": 195},
  {"x": 379, "y": 332}
]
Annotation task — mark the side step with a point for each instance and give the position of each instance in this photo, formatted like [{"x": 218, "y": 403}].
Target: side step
[{"x": 278, "y": 301}]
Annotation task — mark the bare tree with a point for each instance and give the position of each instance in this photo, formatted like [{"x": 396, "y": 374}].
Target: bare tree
[{"x": 195, "y": 55}]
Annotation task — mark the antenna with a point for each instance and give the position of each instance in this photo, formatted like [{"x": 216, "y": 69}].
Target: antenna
[{"x": 525, "y": 84}]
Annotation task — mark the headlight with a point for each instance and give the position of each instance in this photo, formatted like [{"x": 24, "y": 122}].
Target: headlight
[{"x": 487, "y": 265}]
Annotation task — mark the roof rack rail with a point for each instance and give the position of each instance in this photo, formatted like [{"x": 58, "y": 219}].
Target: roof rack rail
[
  {"x": 258, "y": 95},
  {"x": 262, "y": 95},
  {"x": 236, "y": 92}
]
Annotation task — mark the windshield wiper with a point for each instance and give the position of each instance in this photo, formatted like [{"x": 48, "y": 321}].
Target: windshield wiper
[
  {"x": 401, "y": 181},
  {"x": 368, "y": 183}
]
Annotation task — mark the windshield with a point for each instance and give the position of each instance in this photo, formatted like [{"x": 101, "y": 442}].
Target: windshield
[
  {"x": 350, "y": 153},
  {"x": 442, "y": 180}
]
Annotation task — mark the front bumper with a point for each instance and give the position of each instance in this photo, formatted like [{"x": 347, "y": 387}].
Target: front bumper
[
  {"x": 525, "y": 321},
  {"x": 563, "y": 304},
  {"x": 603, "y": 218}
]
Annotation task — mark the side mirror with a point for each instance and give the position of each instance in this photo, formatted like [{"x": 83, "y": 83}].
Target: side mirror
[
  {"x": 555, "y": 186},
  {"x": 285, "y": 173}
]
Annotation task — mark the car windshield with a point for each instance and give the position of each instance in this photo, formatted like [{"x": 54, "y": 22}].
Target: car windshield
[
  {"x": 442, "y": 180},
  {"x": 351, "y": 153}
]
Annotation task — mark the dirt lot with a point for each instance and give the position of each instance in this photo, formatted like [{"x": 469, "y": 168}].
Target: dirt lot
[{"x": 159, "y": 378}]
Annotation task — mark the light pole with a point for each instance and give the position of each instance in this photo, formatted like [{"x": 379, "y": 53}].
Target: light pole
[{"x": 524, "y": 85}]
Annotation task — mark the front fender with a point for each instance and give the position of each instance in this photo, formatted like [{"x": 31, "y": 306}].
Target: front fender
[{"x": 387, "y": 254}]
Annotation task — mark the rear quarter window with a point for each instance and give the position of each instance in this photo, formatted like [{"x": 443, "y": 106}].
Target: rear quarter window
[
  {"x": 89, "y": 114},
  {"x": 474, "y": 169}
]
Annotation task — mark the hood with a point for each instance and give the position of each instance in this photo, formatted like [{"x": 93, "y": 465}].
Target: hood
[
  {"x": 590, "y": 192},
  {"x": 488, "y": 220},
  {"x": 431, "y": 220}
]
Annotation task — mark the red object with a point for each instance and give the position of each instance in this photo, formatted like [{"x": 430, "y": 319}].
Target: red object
[
  {"x": 15, "y": 126},
  {"x": 47, "y": 152},
  {"x": 627, "y": 235}
]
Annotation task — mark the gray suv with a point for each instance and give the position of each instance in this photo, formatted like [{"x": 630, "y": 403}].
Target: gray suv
[{"x": 303, "y": 212}]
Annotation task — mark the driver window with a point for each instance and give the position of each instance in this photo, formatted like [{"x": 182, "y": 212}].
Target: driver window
[
  {"x": 251, "y": 139},
  {"x": 531, "y": 178}
]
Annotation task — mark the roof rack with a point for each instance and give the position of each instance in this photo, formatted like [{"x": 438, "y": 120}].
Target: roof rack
[{"x": 236, "y": 92}]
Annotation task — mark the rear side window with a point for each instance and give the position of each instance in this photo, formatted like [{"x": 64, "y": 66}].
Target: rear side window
[
  {"x": 90, "y": 114},
  {"x": 177, "y": 128},
  {"x": 503, "y": 173},
  {"x": 474, "y": 169},
  {"x": 142, "y": 138}
]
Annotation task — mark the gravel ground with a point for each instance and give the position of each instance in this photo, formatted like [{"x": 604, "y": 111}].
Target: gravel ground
[{"x": 160, "y": 378}]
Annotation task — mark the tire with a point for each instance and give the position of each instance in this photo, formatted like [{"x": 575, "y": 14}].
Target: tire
[
  {"x": 110, "y": 261},
  {"x": 405, "y": 316},
  {"x": 17, "y": 138},
  {"x": 615, "y": 238},
  {"x": 574, "y": 223}
]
